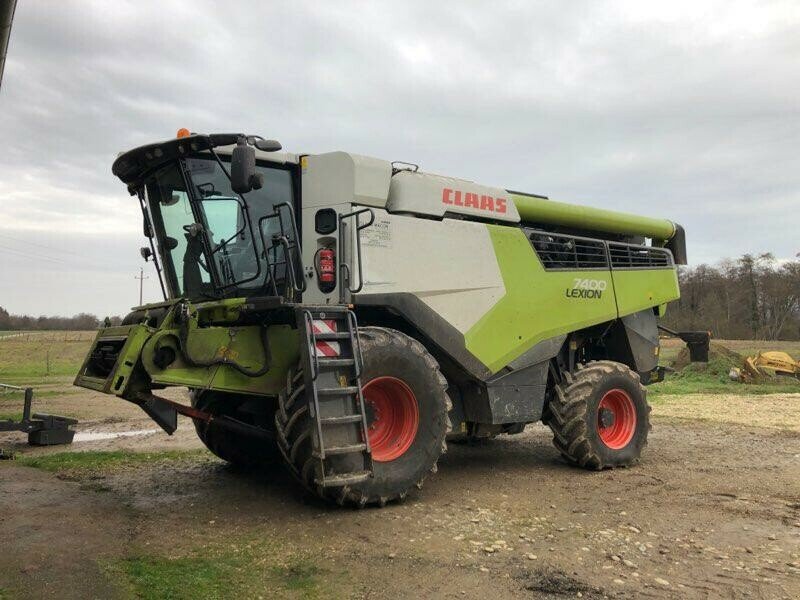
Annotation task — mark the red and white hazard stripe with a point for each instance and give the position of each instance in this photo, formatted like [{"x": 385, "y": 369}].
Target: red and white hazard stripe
[{"x": 326, "y": 347}]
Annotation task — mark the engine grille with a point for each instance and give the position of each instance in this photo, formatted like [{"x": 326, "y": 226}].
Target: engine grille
[
  {"x": 558, "y": 251},
  {"x": 626, "y": 256},
  {"x": 569, "y": 252}
]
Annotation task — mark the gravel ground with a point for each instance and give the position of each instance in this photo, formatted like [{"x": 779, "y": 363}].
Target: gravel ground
[{"x": 713, "y": 510}]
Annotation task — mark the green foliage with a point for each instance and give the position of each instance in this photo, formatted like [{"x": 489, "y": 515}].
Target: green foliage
[
  {"x": 153, "y": 578},
  {"x": 220, "y": 572},
  {"x": 713, "y": 378},
  {"x": 88, "y": 462}
]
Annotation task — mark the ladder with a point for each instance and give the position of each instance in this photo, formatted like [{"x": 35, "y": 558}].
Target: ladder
[{"x": 331, "y": 357}]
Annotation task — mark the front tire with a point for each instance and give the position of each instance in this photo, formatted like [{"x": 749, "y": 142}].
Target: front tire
[
  {"x": 599, "y": 416},
  {"x": 241, "y": 450},
  {"x": 407, "y": 406}
]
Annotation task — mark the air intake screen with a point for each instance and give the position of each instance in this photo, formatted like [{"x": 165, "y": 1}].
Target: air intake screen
[
  {"x": 624, "y": 256},
  {"x": 569, "y": 252}
]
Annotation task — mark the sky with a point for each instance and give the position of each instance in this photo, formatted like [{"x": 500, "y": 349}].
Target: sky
[{"x": 688, "y": 110}]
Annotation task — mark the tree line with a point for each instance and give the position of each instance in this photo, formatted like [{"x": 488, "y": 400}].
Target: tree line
[
  {"x": 79, "y": 322},
  {"x": 752, "y": 297}
]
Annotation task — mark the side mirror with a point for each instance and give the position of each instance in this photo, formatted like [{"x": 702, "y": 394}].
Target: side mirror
[
  {"x": 146, "y": 253},
  {"x": 268, "y": 145},
  {"x": 244, "y": 176}
]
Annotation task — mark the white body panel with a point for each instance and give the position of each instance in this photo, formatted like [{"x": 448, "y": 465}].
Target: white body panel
[
  {"x": 336, "y": 180},
  {"x": 435, "y": 195},
  {"x": 339, "y": 178},
  {"x": 461, "y": 288},
  {"x": 448, "y": 264}
]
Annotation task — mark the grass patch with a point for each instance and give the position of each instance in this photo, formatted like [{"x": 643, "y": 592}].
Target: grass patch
[
  {"x": 710, "y": 385},
  {"x": 713, "y": 377},
  {"x": 22, "y": 359},
  {"x": 154, "y": 578},
  {"x": 89, "y": 462},
  {"x": 10, "y": 416},
  {"x": 221, "y": 572}
]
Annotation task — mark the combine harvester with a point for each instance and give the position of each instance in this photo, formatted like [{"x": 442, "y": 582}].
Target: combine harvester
[{"x": 347, "y": 315}]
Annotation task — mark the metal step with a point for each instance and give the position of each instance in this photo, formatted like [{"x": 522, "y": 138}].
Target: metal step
[
  {"x": 334, "y": 450},
  {"x": 336, "y": 362},
  {"x": 340, "y": 420},
  {"x": 331, "y": 314},
  {"x": 337, "y": 391},
  {"x": 339, "y": 335},
  {"x": 344, "y": 479}
]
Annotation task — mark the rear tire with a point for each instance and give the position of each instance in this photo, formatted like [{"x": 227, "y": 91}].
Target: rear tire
[
  {"x": 400, "y": 378},
  {"x": 235, "y": 448},
  {"x": 599, "y": 416}
]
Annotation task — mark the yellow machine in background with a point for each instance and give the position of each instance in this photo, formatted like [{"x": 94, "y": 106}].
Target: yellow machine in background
[{"x": 772, "y": 363}]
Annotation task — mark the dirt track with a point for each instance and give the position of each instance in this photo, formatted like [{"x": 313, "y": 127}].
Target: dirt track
[{"x": 712, "y": 511}]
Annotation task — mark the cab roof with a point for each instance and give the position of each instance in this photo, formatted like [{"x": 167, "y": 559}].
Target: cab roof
[{"x": 134, "y": 166}]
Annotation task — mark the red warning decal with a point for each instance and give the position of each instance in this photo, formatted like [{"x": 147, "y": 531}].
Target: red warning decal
[{"x": 325, "y": 347}]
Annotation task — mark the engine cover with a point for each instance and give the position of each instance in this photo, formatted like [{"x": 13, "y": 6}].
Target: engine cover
[{"x": 435, "y": 195}]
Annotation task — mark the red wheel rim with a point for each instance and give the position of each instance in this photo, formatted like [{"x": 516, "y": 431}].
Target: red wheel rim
[
  {"x": 620, "y": 432},
  {"x": 395, "y": 417}
]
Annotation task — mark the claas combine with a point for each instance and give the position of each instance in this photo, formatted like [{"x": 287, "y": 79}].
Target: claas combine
[{"x": 349, "y": 316}]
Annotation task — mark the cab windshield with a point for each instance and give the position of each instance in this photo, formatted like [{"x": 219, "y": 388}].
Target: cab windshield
[{"x": 213, "y": 244}]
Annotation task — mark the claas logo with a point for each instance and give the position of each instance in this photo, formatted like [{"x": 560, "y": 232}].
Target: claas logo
[{"x": 472, "y": 200}]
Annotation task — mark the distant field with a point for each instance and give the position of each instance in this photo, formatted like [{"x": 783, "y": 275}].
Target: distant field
[
  {"x": 53, "y": 336},
  {"x": 32, "y": 357}
]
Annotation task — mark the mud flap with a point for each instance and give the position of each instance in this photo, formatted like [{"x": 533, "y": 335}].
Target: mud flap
[
  {"x": 165, "y": 413},
  {"x": 161, "y": 412}
]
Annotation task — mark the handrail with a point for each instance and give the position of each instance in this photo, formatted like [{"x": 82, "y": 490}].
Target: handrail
[{"x": 344, "y": 266}]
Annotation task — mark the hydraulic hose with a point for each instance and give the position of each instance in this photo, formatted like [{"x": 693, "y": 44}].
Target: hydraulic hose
[{"x": 183, "y": 339}]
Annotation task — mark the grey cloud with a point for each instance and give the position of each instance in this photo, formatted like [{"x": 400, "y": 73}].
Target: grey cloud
[{"x": 687, "y": 110}]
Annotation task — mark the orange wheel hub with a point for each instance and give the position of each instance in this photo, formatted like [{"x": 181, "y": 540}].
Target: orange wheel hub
[{"x": 393, "y": 417}]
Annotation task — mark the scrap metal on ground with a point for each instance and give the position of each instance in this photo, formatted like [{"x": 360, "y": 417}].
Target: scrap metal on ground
[{"x": 42, "y": 429}]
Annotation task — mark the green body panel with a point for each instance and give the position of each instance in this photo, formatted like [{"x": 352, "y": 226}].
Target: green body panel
[
  {"x": 638, "y": 289},
  {"x": 205, "y": 342},
  {"x": 242, "y": 345},
  {"x": 541, "y": 304},
  {"x": 134, "y": 337},
  {"x": 535, "y": 306},
  {"x": 549, "y": 212}
]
